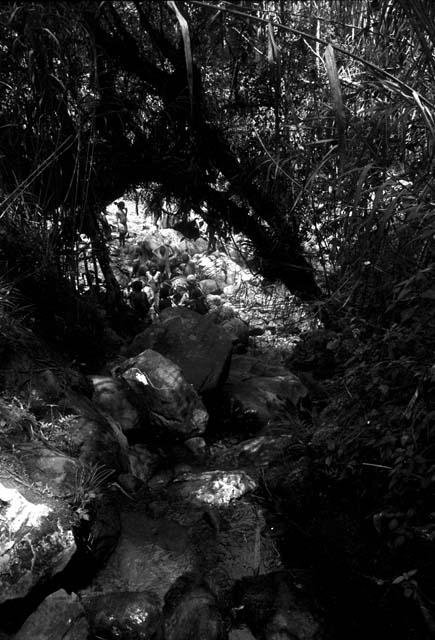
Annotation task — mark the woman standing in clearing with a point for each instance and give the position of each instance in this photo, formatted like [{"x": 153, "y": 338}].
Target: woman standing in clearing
[{"x": 121, "y": 217}]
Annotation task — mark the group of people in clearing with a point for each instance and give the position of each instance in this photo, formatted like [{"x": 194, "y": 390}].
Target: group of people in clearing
[
  {"x": 149, "y": 298},
  {"x": 161, "y": 277}
]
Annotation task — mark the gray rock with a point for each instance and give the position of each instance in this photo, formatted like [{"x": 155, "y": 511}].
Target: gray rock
[
  {"x": 60, "y": 615},
  {"x": 36, "y": 539},
  {"x": 84, "y": 486},
  {"x": 174, "y": 406}
]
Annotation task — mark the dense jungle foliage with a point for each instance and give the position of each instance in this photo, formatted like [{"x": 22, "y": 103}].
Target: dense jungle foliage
[{"x": 309, "y": 127}]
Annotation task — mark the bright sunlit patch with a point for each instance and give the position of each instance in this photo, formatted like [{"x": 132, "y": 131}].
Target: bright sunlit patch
[
  {"x": 18, "y": 512},
  {"x": 219, "y": 488}
]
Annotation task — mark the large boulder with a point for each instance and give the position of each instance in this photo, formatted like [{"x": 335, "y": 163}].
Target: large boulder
[
  {"x": 60, "y": 615},
  {"x": 36, "y": 538},
  {"x": 174, "y": 406},
  {"x": 260, "y": 393},
  {"x": 194, "y": 342}
]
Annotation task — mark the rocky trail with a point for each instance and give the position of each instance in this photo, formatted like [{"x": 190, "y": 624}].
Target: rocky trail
[{"x": 137, "y": 502}]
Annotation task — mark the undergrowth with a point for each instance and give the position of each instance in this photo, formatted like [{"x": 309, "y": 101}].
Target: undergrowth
[{"x": 373, "y": 453}]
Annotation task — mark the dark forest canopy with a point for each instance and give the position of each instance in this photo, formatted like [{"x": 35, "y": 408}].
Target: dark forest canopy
[{"x": 242, "y": 113}]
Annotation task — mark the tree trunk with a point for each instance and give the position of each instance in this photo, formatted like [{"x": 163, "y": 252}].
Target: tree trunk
[{"x": 99, "y": 247}]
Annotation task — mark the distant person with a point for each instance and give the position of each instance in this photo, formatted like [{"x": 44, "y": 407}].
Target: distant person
[
  {"x": 153, "y": 277},
  {"x": 181, "y": 295},
  {"x": 187, "y": 267},
  {"x": 165, "y": 301},
  {"x": 212, "y": 236},
  {"x": 163, "y": 254},
  {"x": 121, "y": 218},
  {"x": 196, "y": 300},
  {"x": 139, "y": 300},
  {"x": 140, "y": 268},
  {"x": 122, "y": 212}
]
